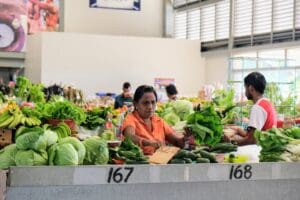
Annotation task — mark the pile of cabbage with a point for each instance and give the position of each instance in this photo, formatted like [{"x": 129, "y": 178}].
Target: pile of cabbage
[
  {"x": 176, "y": 113},
  {"x": 41, "y": 146}
]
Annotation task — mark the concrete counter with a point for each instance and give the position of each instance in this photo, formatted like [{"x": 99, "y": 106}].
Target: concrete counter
[{"x": 188, "y": 181}]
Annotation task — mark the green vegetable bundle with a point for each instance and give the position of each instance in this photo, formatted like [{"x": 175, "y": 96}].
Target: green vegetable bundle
[
  {"x": 128, "y": 152},
  {"x": 279, "y": 144},
  {"x": 63, "y": 110},
  {"x": 206, "y": 126},
  {"x": 93, "y": 119}
]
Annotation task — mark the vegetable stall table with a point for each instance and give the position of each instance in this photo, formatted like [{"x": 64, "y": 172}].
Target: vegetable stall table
[{"x": 176, "y": 181}]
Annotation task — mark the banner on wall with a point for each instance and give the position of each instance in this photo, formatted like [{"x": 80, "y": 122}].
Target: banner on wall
[
  {"x": 117, "y": 4},
  {"x": 13, "y": 24},
  {"x": 43, "y": 15}
]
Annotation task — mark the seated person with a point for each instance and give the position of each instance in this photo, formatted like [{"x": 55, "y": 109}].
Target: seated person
[
  {"x": 124, "y": 98},
  {"x": 144, "y": 127},
  {"x": 171, "y": 92}
]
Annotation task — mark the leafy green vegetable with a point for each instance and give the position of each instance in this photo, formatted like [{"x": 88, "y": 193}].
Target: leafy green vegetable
[
  {"x": 278, "y": 145},
  {"x": 96, "y": 151},
  {"x": 63, "y": 110},
  {"x": 31, "y": 158},
  {"x": 7, "y": 156},
  {"x": 206, "y": 126},
  {"x": 93, "y": 119}
]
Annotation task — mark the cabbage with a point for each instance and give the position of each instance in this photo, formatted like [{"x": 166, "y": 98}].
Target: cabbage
[
  {"x": 182, "y": 108},
  {"x": 171, "y": 118},
  {"x": 31, "y": 158},
  {"x": 69, "y": 151},
  {"x": 51, "y": 137},
  {"x": 108, "y": 135},
  {"x": 7, "y": 156},
  {"x": 96, "y": 151},
  {"x": 32, "y": 140},
  {"x": 63, "y": 154}
]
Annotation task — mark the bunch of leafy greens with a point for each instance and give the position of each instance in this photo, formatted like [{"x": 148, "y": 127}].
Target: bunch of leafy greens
[
  {"x": 279, "y": 144},
  {"x": 224, "y": 104},
  {"x": 63, "y": 110},
  {"x": 93, "y": 119},
  {"x": 206, "y": 126},
  {"x": 28, "y": 91}
]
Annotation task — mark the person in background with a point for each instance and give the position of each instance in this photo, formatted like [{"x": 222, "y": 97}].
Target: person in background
[
  {"x": 125, "y": 97},
  {"x": 171, "y": 92},
  {"x": 144, "y": 127},
  {"x": 262, "y": 114}
]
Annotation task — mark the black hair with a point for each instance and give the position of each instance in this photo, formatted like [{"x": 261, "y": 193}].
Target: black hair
[
  {"x": 171, "y": 89},
  {"x": 257, "y": 81},
  {"x": 126, "y": 85},
  {"x": 141, "y": 90}
]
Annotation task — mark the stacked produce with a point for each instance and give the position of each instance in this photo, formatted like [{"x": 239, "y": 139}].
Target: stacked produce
[
  {"x": 279, "y": 144},
  {"x": 195, "y": 156}
]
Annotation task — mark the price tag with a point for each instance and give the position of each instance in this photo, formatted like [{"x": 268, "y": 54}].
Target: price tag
[
  {"x": 238, "y": 172},
  {"x": 119, "y": 174},
  {"x": 163, "y": 155}
]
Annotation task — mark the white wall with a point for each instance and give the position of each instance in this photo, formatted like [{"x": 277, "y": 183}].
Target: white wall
[
  {"x": 102, "y": 63},
  {"x": 80, "y": 18},
  {"x": 33, "y": 58},
  {"x": 216, "y": 68}
]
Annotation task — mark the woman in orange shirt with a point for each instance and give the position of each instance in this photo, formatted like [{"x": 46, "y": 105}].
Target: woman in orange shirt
[{"x": 144, "y": 127}]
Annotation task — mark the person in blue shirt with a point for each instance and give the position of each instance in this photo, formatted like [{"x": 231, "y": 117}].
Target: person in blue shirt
[{"x": 125, "y": 98}]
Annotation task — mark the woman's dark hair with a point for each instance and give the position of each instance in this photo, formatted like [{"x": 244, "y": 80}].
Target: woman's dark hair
[
  {"x": 171, "y": 89},
  {"x": 256, "y": 80},
  {"x": 126, "y": 85},
  {"x": 141, "y": 90}
]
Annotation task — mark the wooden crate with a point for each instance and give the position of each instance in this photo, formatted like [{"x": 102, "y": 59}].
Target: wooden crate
[{"x": 6, "y": 137}]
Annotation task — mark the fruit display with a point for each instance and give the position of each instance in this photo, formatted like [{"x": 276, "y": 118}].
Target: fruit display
[{"x": 13, "y": 116}]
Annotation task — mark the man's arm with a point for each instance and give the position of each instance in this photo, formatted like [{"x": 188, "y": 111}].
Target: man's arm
[{"x": 246, "y": 137}]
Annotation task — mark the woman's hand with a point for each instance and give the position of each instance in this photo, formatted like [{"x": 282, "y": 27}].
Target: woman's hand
[{"x": 156, "y": 144}]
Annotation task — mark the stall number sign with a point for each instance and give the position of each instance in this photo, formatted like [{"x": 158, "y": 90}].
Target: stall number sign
[
  {"x": 119, "y": 174},
  {"x": 240, "y": 172}
]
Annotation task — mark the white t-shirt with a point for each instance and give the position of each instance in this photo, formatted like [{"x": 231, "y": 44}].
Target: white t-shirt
[{"x": 258, "y": 116}]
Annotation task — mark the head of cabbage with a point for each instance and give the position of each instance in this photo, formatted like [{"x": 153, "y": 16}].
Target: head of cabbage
[
  {"x": 35, "y": 138},
  {"x": 69, "y": 151},
  {"x": 31, "y": 158},
  {"x": 7, "y": 156},
  {"x": 96, "y": 151}
]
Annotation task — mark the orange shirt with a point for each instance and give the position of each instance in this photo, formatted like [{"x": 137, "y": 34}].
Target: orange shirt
[{"x": 158, "y": 133}]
